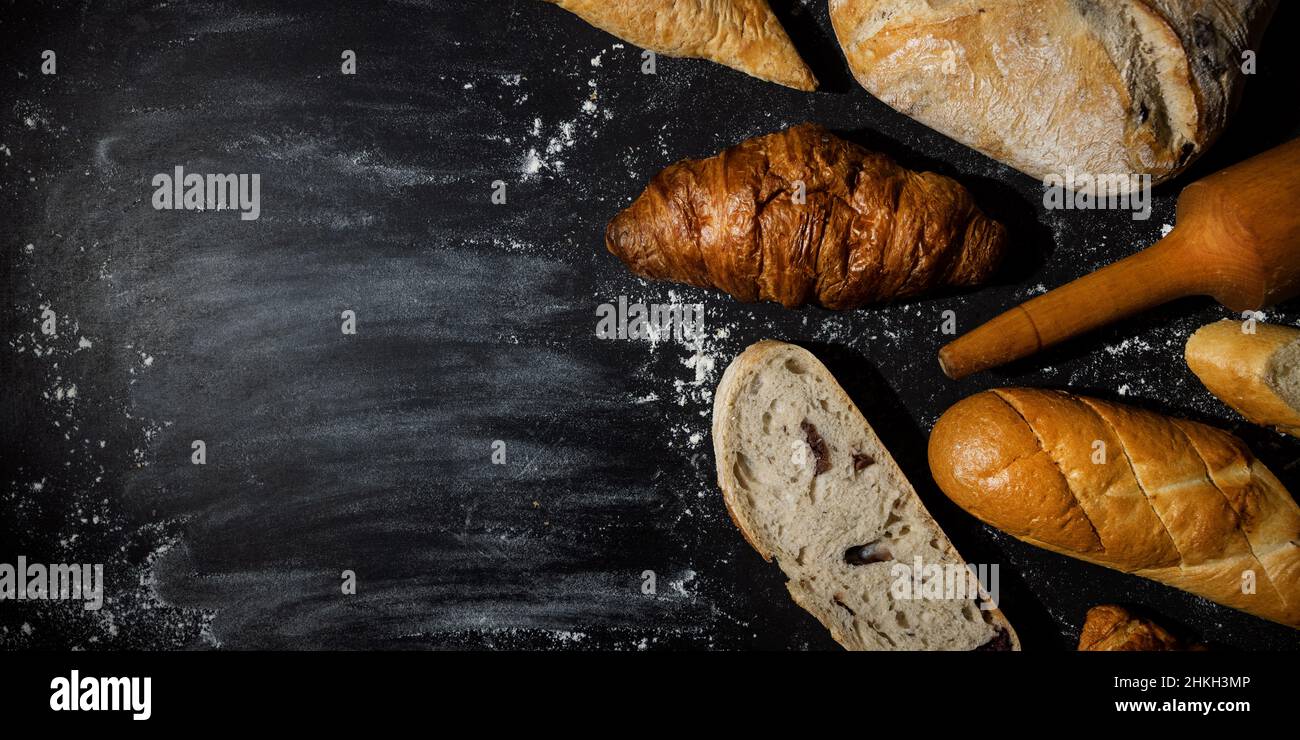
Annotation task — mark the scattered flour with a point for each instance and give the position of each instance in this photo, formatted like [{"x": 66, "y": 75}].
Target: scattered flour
[
  {"x": 1129, "y": 345},
  {"x": 548, "y": 144},
  {"x": 679, "y": 584}
]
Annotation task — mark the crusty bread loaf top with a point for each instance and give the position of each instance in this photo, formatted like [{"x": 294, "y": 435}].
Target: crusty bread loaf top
[
  {"x": 1172, "y": 500},
  {"x": 1054, "y": 86},
  {"x": 741, "y": 34},
  {"x": 1254, "y": 368}
]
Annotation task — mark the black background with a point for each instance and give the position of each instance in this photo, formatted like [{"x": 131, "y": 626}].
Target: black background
[
  {"x": 336, "y": 689},
  {"x": 476, "y": 323}
]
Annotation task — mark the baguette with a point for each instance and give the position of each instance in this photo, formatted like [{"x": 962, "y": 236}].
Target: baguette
[
  {"x": 803, "y": 216},
  {"x": 1167, "y": 499},
  {"x": 1257, "y": 374},
  {"x": 807, "y": 481},
  {"x": 742, "y": 34},
  {"x": 1051, "y": 87}
]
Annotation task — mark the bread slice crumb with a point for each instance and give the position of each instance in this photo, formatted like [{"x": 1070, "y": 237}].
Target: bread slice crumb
[{"x": 810, "y": 484}]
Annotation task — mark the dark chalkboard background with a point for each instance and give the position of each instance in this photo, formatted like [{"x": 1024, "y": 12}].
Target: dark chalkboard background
[{"x": 476, "y": 323}]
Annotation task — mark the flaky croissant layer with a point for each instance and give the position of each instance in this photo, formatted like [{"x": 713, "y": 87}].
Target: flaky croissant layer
[{"x": 802, "y": 216}]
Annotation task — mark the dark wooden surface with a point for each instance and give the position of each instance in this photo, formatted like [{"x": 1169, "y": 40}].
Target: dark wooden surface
[{"x": 476, "y": 323}]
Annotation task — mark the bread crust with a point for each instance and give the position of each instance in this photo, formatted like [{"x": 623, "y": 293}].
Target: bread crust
[
  {"x": 728, "y": 389},
  {"x": 1016, "y": 481},
  {"x": 867, "y": 230},
  {"x": 1237, "y": 367},
  {"x": 740, "y": 373},
  {"x": 742, "y": 34},
  {"x": 1054, "y": 86},
  {"x": 1229, "y": 520}
]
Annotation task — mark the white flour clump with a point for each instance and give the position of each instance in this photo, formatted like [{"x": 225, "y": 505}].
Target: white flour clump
[
  {"x": 532, "y": 164},
  {"x": 547, "y": 144},
  {"x": 679, "y": 585},
  {"x": 548, "y": 156},
  {"x": 703, "y": 362}
]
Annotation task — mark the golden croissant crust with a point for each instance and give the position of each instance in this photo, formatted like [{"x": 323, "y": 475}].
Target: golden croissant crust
[
  {"x": 1112, "y": 628},
  {"x": 867, "y": 230}
]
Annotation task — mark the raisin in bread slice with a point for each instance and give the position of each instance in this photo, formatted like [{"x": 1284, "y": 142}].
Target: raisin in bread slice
[{"x": 807, "y": 481}]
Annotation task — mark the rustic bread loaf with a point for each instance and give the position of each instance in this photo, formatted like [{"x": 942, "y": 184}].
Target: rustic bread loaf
[
  {"x": 741, "y": 34},
  {"x": 1054, "y": 86},
  {"x": 804, "y": 216},
  {"x": 1257, "y": 373},
  {"x": 1167, "y": 499},
  {"x": 807, "y": 481}
]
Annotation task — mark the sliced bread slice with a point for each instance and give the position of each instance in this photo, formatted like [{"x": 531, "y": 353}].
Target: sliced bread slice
[{"x": 808, "y": 482}]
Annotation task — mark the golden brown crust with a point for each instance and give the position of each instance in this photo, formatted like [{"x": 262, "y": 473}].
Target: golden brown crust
[
  {"x": 741, "y": 34},
  {"x": 1053, "y": 86},
  {"x": 1168, "y": 499},
  {"x": 1012, "y": 482},
  {"x": 1236, "y": 366},
  {"x": 1113, "y": 628},
  {"x": 1103, "y": 485},
  {"x": 1267, "y": 515},
  {"x": 867, "y": 231}
]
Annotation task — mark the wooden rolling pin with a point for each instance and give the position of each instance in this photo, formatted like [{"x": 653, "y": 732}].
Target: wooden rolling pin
[{"x": 1237, "y": 239}]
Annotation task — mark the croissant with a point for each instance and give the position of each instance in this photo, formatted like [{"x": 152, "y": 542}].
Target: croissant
[
  {"x": 1111, "y": 628},
  {"x": 802, "y": 216}
]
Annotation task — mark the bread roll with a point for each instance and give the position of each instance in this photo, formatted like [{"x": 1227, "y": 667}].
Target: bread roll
[
  {"x": 1167, "y": 499},
  {"x": 809, "y": 483},
  {"x": 867, "y": 230},
  {"x": 742, "y": 34},
  {"x": 1257, "y": 374},
  {"x": 1053, "y": 86}
]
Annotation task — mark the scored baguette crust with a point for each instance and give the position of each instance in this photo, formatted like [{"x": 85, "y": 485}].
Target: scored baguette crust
[
  {"x": 742, "y": 34},
  {"x": 1052, "y": 86},
  {"x": 1243, "y": 371},
  {"x": 865, "y": 229},
  {"x": 1167, "y": 499},
  {"x": 809, "y": 516}
]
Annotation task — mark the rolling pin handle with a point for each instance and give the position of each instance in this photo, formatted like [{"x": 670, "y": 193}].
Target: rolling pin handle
[{"x": 1149, "y": 278}]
